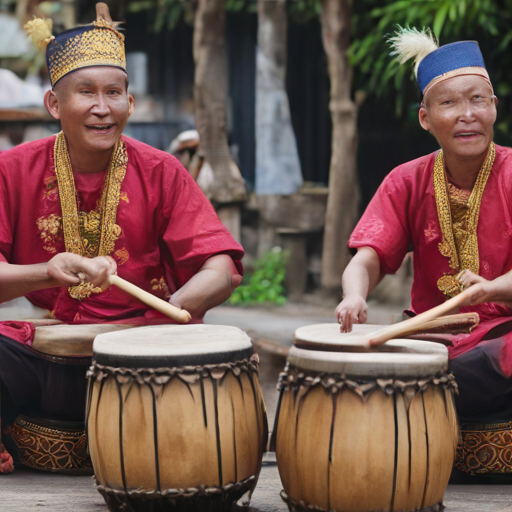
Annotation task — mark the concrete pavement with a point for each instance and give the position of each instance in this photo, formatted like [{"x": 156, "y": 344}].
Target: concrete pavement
[{"x": 25, "y": 491}]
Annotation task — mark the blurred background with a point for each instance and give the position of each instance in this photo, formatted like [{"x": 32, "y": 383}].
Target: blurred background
[{"x": 288, "y": 113}]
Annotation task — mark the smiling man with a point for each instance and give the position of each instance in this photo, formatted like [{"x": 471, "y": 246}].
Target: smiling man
[
  {"x": 89, "y": 202},
  {"x": 454, "y": 208}
]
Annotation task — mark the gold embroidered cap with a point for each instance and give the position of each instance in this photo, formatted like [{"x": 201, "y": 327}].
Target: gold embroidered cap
[{"x": 97, "y": 44}]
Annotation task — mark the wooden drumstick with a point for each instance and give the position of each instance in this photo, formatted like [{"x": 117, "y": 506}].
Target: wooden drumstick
[
  {"x": 179, "y": 315},
  {"x": 412, "y": 324}
]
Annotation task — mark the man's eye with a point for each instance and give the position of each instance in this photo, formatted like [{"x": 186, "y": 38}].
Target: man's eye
[
  {"x": 447, "y": 102},
  {"x": 86, "y": 92},
  {"x": 113, "y": 92}
]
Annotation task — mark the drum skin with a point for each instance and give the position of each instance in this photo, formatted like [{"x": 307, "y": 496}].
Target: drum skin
[
  {"x": 176, "y": 432},
  {"x": 347, "y": 451}
]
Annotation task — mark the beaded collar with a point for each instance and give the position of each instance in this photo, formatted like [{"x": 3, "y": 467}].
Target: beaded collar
[
  {"x": 464, "y": 256},
  {"x": 92, "y": 234}
]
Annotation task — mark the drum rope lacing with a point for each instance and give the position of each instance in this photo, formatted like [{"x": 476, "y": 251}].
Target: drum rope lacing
[
  {"x": 162, "y": 376},
  {"x": 293, "y": 377}
]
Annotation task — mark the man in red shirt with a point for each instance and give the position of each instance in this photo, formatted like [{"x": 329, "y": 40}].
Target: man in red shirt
[
  {"x": 87, "y": 203},
  {"x": 453, "y": 207}
]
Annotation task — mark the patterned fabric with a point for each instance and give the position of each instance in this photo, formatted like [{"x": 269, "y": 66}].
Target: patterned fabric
[
  {"x": 54, "y": 448},
  {"x": 99, "y": 44},
  {"x": 449, "y": 58},
  {"x": 485, "y": 448}
]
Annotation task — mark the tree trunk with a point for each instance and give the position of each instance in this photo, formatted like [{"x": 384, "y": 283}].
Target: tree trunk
[
  {"x": 342, "y": 202},
  {"x": 210, "y": 91},
  {"x": 277, "y": 161}
]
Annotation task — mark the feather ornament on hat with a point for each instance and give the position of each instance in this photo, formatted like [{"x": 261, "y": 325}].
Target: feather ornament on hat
[
  {"x": 411, "y": 43},
  {"x": 39, "y": 30}
]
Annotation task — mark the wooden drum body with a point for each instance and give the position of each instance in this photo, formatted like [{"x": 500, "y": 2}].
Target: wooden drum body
[
  {"x": 177, "y": 422},
  {"x": 366, "y": 431}
]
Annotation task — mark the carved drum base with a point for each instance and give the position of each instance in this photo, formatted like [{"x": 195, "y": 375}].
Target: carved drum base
[
  {"x": 57, "y": 447},
  {"x": 485, "y": 449}
]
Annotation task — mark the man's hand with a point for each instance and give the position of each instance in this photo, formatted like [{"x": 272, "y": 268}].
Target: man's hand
[
  {"x": 481, "y": 290},
  {"x": 211, "y": 286},
  {"x": 69, "y": 269},
  {"x": 359, "y": 279},
  {"x": 351, "y": 310}
]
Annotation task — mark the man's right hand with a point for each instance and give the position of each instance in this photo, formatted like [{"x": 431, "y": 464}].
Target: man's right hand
[
  {"x": 68, "y": 269},
  {"x": 351, "y": 310}
]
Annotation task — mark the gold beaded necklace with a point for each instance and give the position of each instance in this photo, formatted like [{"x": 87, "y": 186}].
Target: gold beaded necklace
[
  {"x": 464, "y": 256},
  {"x": 94, "y": 233}
]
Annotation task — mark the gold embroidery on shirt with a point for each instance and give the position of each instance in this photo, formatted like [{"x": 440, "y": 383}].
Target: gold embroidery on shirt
[
  {"x": 50, "y": 228},
  {"x": 51, "y": 191},
  {"x": 458, "y": 219},
  {"x": 122, "y": 256},
  {"x": 160, "y": 285}
]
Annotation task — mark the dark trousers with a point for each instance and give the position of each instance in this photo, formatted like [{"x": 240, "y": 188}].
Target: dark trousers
[
  {"x": 37, "y": 387},
  {"x": 485, "y": 392}
]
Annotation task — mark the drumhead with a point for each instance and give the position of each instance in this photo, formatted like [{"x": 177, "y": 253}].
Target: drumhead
[
  {"x": 395, "y": 359},
  {"x": 327, "y": 337},
  {"x": 161, "y": 346}
]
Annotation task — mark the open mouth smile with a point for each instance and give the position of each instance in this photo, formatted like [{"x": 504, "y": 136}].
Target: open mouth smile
[
  {"x": 467, "y": 136},
  {"x": 100, "y": 128}
]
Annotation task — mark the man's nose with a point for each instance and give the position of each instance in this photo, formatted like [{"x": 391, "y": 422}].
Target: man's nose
[
  {"x": 101, "y": 107},
  {"x": 466, "y": 109}
]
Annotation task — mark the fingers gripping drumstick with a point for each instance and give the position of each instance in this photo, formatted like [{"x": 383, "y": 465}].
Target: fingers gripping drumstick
[
  {"x": 179, "y": 315},
  {"x": 408, "y": 326}
]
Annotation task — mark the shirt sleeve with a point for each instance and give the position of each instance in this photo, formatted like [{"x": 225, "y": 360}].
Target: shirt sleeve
[
  {"x": 384, "y": 226},
  {"x": 194, "y": 232},
  {"x": 5, "y": 224}
]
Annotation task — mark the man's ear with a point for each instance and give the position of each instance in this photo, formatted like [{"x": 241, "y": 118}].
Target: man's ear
[
  {"x": 52, "y": 104},
  {"x": 131, "y": 104},
  {"x": 423, "y": 117}
]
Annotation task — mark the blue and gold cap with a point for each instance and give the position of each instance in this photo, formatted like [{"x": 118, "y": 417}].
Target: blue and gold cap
[
  {"x": 435, "y": 64},
  {"x": 97, "y": 44}
]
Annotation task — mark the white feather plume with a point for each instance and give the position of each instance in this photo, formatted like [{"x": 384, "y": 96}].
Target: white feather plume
[{"x": 411, "y": 43}]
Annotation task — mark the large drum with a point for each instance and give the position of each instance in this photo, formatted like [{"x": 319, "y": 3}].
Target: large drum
[
  {"x": 176, "y": 419},
  {"x": 364, "y": 431}
]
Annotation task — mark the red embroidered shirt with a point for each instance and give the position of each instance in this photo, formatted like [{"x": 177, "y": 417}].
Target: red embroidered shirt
[{"x": 169, "y": 228}]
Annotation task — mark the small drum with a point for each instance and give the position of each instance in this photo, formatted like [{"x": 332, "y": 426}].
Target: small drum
[
  {"x": 176, "y": 419},
  {"x": 59, "y": 445},
  {"x": 65, "y": 343},
  {"x": 364, "y": 431}
]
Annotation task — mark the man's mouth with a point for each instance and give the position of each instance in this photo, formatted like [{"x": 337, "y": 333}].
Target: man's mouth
[
  {"x": 467, "y": 135},
  {"x": 100, "y": 128}
]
